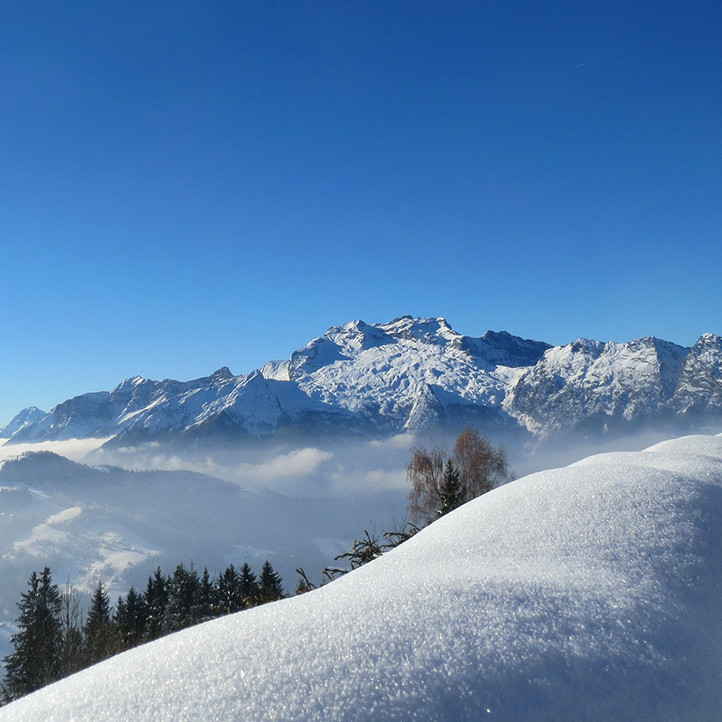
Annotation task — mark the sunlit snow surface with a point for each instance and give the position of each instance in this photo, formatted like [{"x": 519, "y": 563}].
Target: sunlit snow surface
[{"x": 590, "y": 592}]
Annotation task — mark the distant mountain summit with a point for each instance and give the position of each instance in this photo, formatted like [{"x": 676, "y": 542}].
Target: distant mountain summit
[
  {"x": 408, "y": 374},
  {"x": 27, "y": 417}
]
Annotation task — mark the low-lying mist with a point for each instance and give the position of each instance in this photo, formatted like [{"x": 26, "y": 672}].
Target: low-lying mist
[
  {"x": 346, "y": 467},
  {"x": 73, "y": 449},
  {"x": 339, "y": 468}
]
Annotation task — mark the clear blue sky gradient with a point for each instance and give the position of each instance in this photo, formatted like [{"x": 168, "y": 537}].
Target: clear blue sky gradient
[{"x": 187, "y": 185}]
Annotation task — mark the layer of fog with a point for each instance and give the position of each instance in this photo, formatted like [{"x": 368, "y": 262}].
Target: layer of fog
[
  {"x": 338, "y": 467},
  {"x": 73, "y": 449}
]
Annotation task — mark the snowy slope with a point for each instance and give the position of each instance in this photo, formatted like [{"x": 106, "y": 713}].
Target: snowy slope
[{"x": 590, "y": 592}]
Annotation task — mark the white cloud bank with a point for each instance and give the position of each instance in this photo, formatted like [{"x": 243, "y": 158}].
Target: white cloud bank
[
  {"x": 73, "y": 449},
  {"x": 293, "y": 463},
  {"x": 351, "y": 466},
  {"x": 584, "y": 593}
]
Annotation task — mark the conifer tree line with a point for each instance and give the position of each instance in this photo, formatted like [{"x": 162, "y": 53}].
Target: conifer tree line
[{"x": 55, "y": 639}]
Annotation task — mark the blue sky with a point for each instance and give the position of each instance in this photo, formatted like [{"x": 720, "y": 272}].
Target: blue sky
[{"x": 188, "y": 185}]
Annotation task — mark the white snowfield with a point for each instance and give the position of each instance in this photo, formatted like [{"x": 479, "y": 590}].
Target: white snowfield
[{"x": 591, "y": 592}]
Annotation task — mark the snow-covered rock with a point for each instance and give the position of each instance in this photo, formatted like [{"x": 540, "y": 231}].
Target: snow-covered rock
[
  {"x": 590, "y": 592},
  {"x": 699, "y": 388},
  {"x": 593, "y": 381}
]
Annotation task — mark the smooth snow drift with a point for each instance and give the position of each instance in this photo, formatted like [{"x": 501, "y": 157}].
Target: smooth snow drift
[{"x": 590, "y": 592}]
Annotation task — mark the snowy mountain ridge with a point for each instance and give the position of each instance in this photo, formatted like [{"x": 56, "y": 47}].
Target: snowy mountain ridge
[{"x": 408, "y": 374}]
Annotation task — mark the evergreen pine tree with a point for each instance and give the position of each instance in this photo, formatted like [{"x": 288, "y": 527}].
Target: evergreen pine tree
[
  {"x": 155, "y": 600},
  {"x": 121, "y": 614},
  {"x": 451, "y": 493},
  {"x": 37, "y": 659},
  {"x": 248, "y": 585},
  {"x": 228, "y": 591},
  {"x": 271, "y": 586},
  {"x": 206, "y": 597},
  {"x": 130, "y": 617},
  {"x": 183, "y": 599},
  {"x": 100, "y": 633}
]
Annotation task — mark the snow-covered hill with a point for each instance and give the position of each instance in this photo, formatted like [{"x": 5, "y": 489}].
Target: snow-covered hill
[
  {"x": 590, "y": 592},
  {"x": 409, "y": 374}
]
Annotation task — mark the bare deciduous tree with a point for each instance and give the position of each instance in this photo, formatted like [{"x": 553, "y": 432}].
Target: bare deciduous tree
[
  {"x": 425, "y": 473},
  {"x": 71, "y": 621},
  {"x": 481, "y": 467}
]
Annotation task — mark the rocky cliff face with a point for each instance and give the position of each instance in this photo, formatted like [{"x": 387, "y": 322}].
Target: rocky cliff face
[
  {"x": 409, "y": 374},
  {"x": 588, "y": 380},
  {"x": 699, "y": 385}
]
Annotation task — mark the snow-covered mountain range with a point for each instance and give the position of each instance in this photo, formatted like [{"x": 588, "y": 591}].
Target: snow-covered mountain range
[{"x": 409, "y": 374}]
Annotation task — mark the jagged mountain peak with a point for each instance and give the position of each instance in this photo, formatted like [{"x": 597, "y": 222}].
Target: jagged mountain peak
[
  {"x": 129, "y": 385},
  {"x": 607, "y": 381},
  {"x": 276, "y": 370},
  {"x": 436, "y": 331},
  {"x": 585, "y": 345},
  {"x": 357, "y": 336},
  {"x": 221, "y": 375},
  {"x": 709, "y": 340},
  {"x": 27, "y": 417},
  {"x": 594, "y": 349},
  {"x": 500, "y": 348},
  {"x": 343, "y": 343},
  {"x": 699, "y": 389}
]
